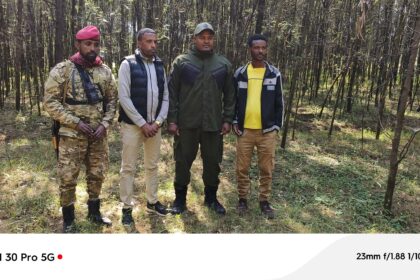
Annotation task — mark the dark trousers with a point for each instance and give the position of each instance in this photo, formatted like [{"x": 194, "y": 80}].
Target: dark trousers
[{"x": 185, "y": 152}]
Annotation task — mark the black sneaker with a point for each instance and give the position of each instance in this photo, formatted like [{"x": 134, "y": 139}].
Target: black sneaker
[
  {"x": 157, "y": 208},
  {"x": 127, "y": 218},
  {"x": 242, "y": 206},
  {"x": 216, "y": 206},
  {"x": 266, "y": 209}
]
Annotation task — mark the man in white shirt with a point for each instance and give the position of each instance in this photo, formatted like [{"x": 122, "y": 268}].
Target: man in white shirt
[{"x": 143, "y": 95}]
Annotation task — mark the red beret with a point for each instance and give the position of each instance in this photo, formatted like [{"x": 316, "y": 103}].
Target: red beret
[{"x": 90, "y": 32}]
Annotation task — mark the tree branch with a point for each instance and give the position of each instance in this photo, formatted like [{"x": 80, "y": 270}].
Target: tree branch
[{"x": 404, "y": 151}]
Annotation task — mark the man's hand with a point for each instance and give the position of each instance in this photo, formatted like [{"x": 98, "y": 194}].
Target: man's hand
[
  {"x": 225, "y": 128},
  {"x": 85, "y": 128},
  {"x": 236, "y": 129},
  {"x": 173, "y": 129},
  {"x": 100, "y": 132},
  {"x": 155, "y": 128},
  {"x": 148, "y": 130}
]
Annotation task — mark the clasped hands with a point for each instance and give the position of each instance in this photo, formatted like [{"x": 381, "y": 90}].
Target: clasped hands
[{"x": 86, "y": 129}]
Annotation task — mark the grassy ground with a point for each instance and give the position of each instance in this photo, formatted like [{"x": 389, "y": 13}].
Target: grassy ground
[{"x": 319, "y": 185}]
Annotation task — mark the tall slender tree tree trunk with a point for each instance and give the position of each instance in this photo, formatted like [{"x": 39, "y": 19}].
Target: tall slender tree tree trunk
[
  {"x": 2, "y": 63},
  {"x": 18, "y": 56},
  {"x": 59, "y": 31},
  {"x": 415, "y": 90},
  {"x": 394, "y": 161},
  {"x": 294, "y": 79},
  {"x": 319, "y": 53},
  {"x": 34, "y": 53},
  {"x": 260, "y": 16},
  {"x": 123, "y": 31},
  {"x": 40, "y": 51},
  {"x": 149, "y": 14},
  {"x": 73, "y": 22},
  {"x": 81, "y": 15},
  {"x": 340, "y": 91},
  {"x": 384, "y": 66}
]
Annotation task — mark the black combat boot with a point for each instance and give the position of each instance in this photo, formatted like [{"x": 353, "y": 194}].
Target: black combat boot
[
  {"x": 127, "y": 218},
  {"x": 68, "y": 218},
  {"x": 210, "y": 200},
  {"x": 94, "y": 215},
  {"x": 180, "y": 202}
]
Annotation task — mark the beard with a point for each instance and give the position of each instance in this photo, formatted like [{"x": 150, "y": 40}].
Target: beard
[{"x": 90, "y": 57}]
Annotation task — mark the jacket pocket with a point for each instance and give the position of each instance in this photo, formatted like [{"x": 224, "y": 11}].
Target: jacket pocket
[
  {"x": 189, "y": 74},
  {"x": 219, "y": 75}
]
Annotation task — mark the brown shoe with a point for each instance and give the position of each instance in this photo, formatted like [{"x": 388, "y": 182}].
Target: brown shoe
[
  {"x": 266, "y": 209},
  {"x": 242, "y": 206}
]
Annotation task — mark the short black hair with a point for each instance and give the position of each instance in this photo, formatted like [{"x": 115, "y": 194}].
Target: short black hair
[
  {"x": 144, "y": 31},
  {"x": 256, "y": 37}
]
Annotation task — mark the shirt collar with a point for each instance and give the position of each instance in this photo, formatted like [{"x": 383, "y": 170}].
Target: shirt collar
[{"x": 138, "y": 52}]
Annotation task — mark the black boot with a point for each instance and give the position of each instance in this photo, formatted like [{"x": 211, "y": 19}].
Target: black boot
[
  {"x": 94, "y": 215},
  {"x": 210, "y": 200},
  {"x": 68, "y": 218},
  {"x": 127, "y": 218},
  {"x": 180, "y": 202}
]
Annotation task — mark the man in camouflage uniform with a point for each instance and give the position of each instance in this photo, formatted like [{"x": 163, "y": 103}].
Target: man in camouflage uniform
[{"x": 84, "y": 122}]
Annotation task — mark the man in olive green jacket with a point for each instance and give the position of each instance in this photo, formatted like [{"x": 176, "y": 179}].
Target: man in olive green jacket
[{"x": 201, "y": 108}]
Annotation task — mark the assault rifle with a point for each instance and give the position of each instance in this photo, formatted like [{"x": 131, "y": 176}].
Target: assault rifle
[{"x": 55, "y": 128}]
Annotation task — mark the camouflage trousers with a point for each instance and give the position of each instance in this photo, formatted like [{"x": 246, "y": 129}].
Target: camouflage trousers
[{"x": 72, "y": 153}]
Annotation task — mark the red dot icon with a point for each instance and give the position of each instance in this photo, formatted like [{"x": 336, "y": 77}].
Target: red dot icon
[{"x": 60, "y": 256}]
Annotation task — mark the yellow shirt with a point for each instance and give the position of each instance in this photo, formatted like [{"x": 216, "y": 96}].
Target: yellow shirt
[{"x": 253, "y": 101}]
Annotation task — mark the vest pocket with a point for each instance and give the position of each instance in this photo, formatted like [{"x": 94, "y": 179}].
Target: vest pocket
[
  {"x": 189, "y": 74},
  {"x": 219, "y": 75}
]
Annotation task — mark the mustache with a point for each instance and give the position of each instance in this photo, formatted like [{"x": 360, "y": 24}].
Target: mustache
[{"x": 92, "y": 54}]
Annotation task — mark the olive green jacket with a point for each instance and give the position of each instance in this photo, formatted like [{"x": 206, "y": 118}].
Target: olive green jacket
[{"x": 201, "y": 92}]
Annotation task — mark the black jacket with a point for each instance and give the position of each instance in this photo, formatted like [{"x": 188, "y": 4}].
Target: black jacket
[{"x": 272, "y": 105}]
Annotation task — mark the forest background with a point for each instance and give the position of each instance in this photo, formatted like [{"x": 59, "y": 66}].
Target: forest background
[{"x": 348, "y": 156}]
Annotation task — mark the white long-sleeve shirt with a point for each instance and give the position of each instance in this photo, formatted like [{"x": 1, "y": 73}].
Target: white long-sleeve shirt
[{"x": 124, "y": 85}]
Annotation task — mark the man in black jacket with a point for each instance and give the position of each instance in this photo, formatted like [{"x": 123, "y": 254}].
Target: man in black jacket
[
  {"x": 258, "y": 118},
  {"x": 201, "y": 110}
]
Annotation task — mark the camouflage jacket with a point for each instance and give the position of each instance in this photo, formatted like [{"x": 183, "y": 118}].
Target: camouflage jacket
[{"x": 65, "y": 77}]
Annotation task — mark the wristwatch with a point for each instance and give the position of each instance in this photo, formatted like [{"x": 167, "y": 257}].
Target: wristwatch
[{"x": 158, "y": 123}]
